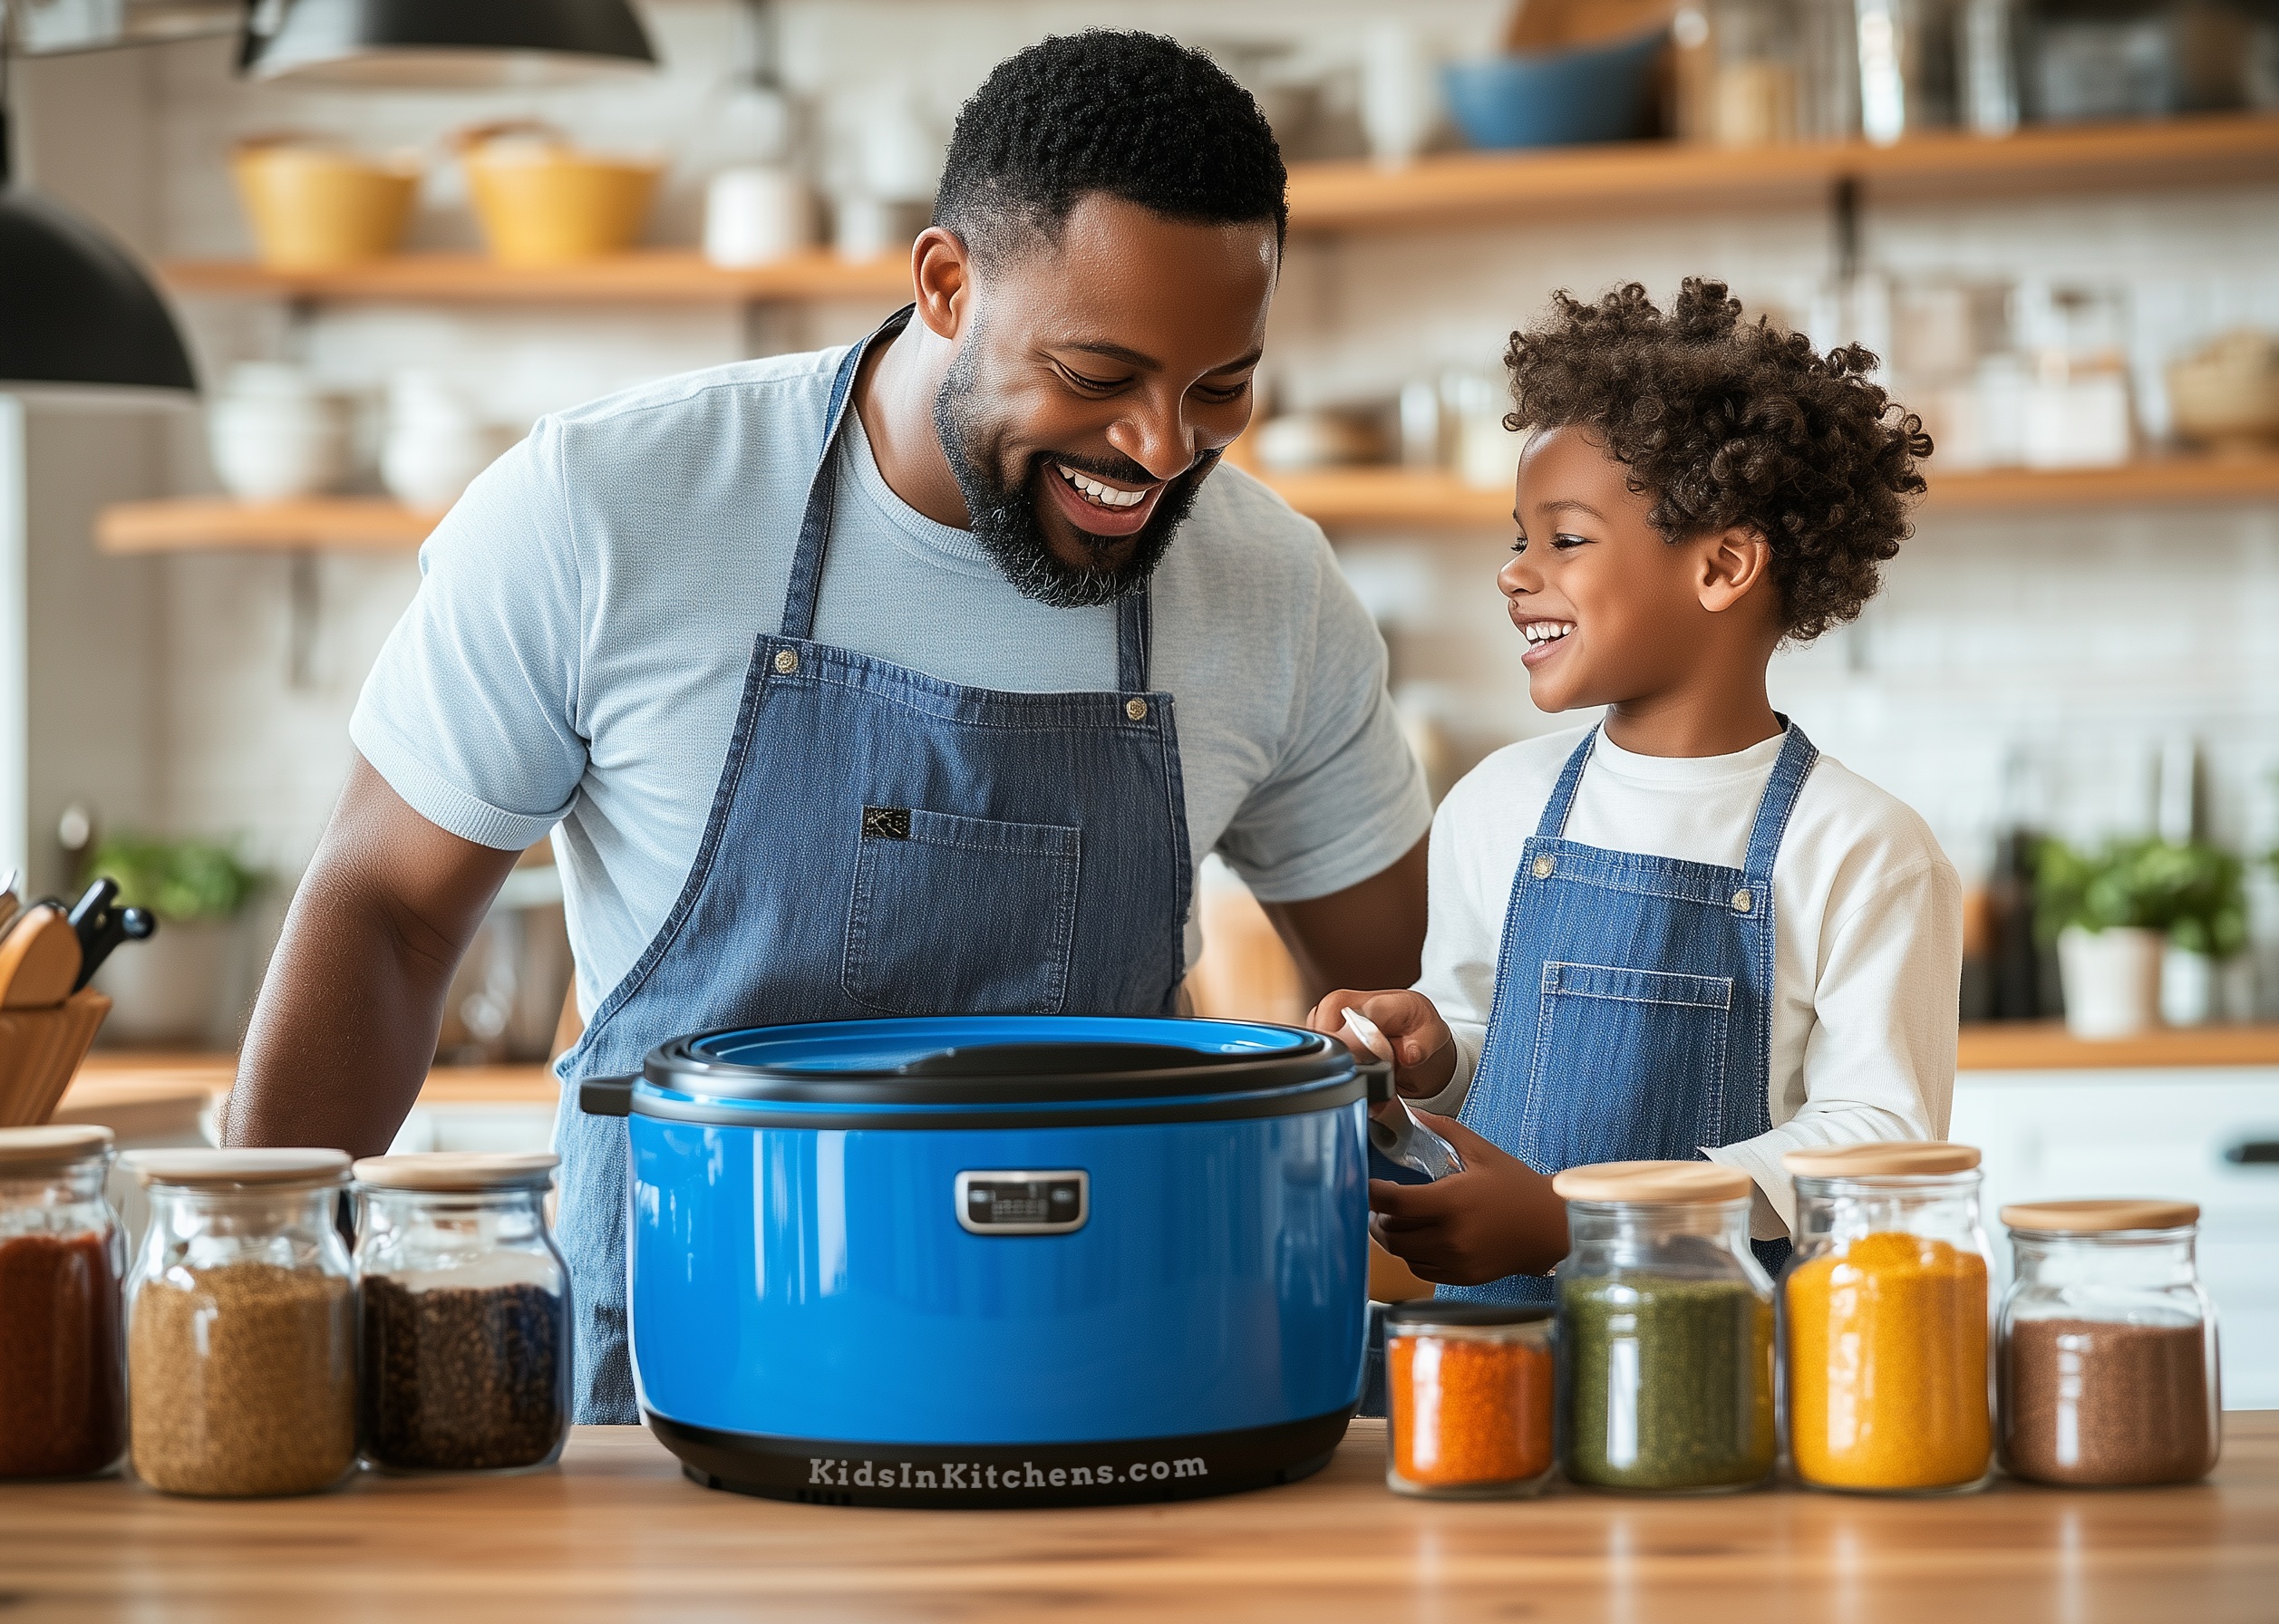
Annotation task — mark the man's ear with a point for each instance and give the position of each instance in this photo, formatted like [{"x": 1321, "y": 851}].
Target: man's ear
[
  {"x": 1731, "y": 565},
  {"x": 942, "y": 270}
]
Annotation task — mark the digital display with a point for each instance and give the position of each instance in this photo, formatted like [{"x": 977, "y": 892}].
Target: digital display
[{"x": 1022, "y": 1202}]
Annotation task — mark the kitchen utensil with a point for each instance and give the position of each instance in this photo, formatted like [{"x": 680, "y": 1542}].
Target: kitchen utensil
[
  {"x": 2225, "y": 395},
  {"x": 314, "y": 205},
  {"x": 1554, "y": 98},
  {"x": 542, "y": 201},
  {"x": 274, "y": 435},
  {"x": 39, "y": 960},
  {"x": 995, "y": 1260},
  {"x": 1401, "y": 1148},
  {"x": 11, "y": 899},
  {"x": 100, "y": 927}
]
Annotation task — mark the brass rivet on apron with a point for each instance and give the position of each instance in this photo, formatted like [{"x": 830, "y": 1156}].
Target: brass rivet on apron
[
  {"x": 1743, "y": 901},
  {"x": 1136, "y": 709},
  {"x": 787, "y": 661},
  {"x": 1542, "y": 867}
]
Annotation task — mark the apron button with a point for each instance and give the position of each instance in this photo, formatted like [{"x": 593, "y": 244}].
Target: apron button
[
  {"x": 1136, "y": 709},
  {"x": 1542, "y": 867},
  {"x": 1743, "y": 901},
  {"x": 786, "y": 661}
]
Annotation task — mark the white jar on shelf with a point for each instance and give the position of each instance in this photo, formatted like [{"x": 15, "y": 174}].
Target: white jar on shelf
[
  {"x": 436, "y": 443},
  {"x": 274, "y": 435}
]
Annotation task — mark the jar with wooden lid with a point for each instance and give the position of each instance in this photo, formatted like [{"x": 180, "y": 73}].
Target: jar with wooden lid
[
  {"x": 241, "y": 1327},
  {"x": 1665, "y": 1327},
  {"x": 1884, "y": 1305},
  {"x": 62, "y": 1393},
  {"x": 1468, "y": 1399},
  {"x": 466, "y": 1304},
  {"x": 2104, "y": 1350}
]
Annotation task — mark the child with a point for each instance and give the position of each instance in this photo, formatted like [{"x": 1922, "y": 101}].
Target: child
[{"x": 1683, "y": 932}]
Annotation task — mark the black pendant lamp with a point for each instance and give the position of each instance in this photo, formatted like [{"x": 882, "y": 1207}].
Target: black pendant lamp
[
  {"x": 444, "y": 43},
  {"x": 74, "y": 308}
]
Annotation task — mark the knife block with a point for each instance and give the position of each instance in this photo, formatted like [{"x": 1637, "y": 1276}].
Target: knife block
[{"x": 40, "y": 1050}]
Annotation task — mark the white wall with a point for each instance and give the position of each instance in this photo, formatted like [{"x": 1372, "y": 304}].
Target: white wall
[{"x": 2073, "y": 642}]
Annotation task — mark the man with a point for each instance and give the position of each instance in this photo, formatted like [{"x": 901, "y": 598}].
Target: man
[{"x": 850, "y": 678}]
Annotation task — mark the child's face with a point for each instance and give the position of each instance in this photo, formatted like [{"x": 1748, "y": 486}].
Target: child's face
[{"x": 1612, "y": 611}]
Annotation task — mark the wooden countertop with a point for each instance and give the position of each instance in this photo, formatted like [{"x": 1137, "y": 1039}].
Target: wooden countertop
[
  {"x": 2046, "y": 1046},
  {"x": 617, "y": 1529}
]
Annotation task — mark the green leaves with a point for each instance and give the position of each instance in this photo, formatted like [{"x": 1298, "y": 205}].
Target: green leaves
[
  {"x": 2195, "y": 892},
  {"x": 177, "y": 880}
]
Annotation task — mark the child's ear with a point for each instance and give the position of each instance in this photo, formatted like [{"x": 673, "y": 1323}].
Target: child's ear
[{"x": 1731, "y": 566}]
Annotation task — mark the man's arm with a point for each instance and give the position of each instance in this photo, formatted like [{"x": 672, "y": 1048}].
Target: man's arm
[
  {"x": 344, "y": 1030},
  {"x": 1366, "y": 935}
]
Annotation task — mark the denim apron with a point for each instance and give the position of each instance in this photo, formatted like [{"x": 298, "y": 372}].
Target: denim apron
[
  {"x": 1632, "y": 1017},
  {"x": 884, "y": 843}
]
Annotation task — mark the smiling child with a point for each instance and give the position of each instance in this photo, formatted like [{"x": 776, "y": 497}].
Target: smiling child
[{"x": 1685, "y": 932}]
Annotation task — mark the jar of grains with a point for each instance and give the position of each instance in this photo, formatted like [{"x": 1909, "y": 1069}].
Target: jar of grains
[
  {"x": 1886, "y": 1314},
  {"x": 466, "y": 1314},
  {"x": 241, "y": 1325},
  {"x": 1665, "y": 1329},
  {"x": 1468, "y": 1392},
  {"x": 2105, "y": 1353},
  {"x": 62, "y": 1395}
]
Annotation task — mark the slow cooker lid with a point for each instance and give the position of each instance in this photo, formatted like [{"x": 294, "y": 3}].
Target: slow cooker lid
[{"x": 991, "y": 1059}]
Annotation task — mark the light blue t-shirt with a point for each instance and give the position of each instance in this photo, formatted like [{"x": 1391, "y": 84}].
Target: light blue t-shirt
[{"x": 586, "y": 616}]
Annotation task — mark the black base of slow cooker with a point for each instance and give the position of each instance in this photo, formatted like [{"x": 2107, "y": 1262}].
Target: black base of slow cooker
[{"x": 983, "y": 1476}]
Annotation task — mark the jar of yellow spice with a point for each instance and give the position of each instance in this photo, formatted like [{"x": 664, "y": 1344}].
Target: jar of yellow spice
[{"x": 1883, "y": 1312}]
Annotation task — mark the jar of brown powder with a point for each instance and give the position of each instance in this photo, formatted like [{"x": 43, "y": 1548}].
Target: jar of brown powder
[
  {"x": 2106, "y": 1345},
  {"x": 63, "y": 1399},
  {"x": 241, "y": 1331}
]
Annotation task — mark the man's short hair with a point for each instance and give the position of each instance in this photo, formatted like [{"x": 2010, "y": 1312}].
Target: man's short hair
[{"x": 1136, "y": 116}]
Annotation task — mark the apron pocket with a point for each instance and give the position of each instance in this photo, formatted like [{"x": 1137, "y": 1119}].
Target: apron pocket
[
  {"x": 960, "y": 915},
  {"x": 1631, "y": 1064}
]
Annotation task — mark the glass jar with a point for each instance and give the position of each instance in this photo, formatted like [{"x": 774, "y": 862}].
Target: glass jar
[
  {"x": 1884, "y": 1310},
  {"x": 466, "y": 1314},
  {"x": 241, "y": 1325},
  {"x": 1468, "y": 1390},
  {"x": 1665, "y": 1329},
  {"x": 62, "y": 1395},
  {"x": 2104, "y": 1358}
]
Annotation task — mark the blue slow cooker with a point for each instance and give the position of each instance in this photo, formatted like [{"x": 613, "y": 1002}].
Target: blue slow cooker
[{"x": 996, "y": 1260}]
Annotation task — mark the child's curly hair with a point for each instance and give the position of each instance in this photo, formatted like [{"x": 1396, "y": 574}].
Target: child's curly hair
[{"x": 1726, "y": 424}]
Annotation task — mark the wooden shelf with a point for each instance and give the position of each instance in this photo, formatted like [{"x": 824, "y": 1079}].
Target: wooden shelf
[
  {"x": 1398, "y": 498},
  {"x": 221, "y": 524},
  {"x": 648, "y": 276},
  {"x": 1638, "y": 177},
  {"x": 2039, "y": 1046}
]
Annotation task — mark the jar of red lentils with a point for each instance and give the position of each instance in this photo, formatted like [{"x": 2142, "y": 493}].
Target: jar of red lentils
[{"x": 1468, "y": 1399}]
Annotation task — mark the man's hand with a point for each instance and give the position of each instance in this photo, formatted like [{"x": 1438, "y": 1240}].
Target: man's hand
[
  {"x": 1423, "y": 1049},
  {"x": 1497, "y": 1217}
]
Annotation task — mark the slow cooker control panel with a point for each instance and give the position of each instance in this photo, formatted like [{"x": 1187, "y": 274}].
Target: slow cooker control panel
[{"x": 1021, "y": 1202}]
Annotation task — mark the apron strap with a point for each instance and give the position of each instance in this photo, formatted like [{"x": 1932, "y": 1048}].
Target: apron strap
[
  {"x": 1797, "y": 755},
  {"x": 1553, "y": 823},
  {"x": 1135, "y": 620}
]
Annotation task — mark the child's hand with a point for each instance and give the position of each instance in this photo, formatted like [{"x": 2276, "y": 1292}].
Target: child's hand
[
  {"x": 1423, "y": 1050},
  {"x": 1497, "y": 1217}
]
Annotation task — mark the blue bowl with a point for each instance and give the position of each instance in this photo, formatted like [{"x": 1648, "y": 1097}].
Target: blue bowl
[{"x": 1553, "y": 98}]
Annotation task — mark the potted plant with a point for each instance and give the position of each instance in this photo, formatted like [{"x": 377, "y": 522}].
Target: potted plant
[
  {"x": 2140, "y": 925},
  {"x": 171, "y": 988}
]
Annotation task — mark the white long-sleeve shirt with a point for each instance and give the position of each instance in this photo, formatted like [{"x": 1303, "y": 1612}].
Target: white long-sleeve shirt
[{"x": 1867, "y": 931}]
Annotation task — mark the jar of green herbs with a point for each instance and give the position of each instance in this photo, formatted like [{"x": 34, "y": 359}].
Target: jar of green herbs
[{"x": 1665, "y": 1329}]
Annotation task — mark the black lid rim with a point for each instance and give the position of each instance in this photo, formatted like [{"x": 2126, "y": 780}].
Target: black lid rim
[{"x": 1433, "y": 1310}]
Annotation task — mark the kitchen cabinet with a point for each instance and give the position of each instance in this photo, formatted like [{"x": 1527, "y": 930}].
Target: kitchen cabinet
[{"x": 617, "y": 1532}]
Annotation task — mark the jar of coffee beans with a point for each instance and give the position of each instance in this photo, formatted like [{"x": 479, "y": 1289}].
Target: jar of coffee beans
[
  {"x": 2105, "y": 1353},
  {"x": 63, "y": 1392},
  {"x": 241, "y": 1327},
  {"x": 466, "y": 1314}
]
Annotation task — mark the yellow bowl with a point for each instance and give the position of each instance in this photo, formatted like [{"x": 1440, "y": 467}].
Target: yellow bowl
[
  {"x": 541, "y": 202},
  {"x": 313, "y": 206}
]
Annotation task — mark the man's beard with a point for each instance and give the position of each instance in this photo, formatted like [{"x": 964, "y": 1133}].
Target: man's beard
[{"x": 1003, "y": 517}]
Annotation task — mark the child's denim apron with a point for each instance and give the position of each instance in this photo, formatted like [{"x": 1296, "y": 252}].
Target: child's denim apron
[
  {"x": 884, "y": 843},
  {"x": 1633, "y": 1018}
]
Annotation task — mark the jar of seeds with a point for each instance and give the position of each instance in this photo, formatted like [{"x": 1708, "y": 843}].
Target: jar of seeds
[
  {"x": 1665, "y": 1330},
  {"x": 2105, "y": 1352},
  {"x": 62, "y": 1395},
  {"x": 466, "y": 1314},
  {"x": 241, "y": 1327}
]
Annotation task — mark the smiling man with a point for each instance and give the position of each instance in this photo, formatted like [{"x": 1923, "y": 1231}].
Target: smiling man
[{"x": 911, "y": 678}]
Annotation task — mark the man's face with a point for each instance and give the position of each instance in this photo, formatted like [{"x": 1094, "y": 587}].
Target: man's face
[{"x": 1096, "y": 381}]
